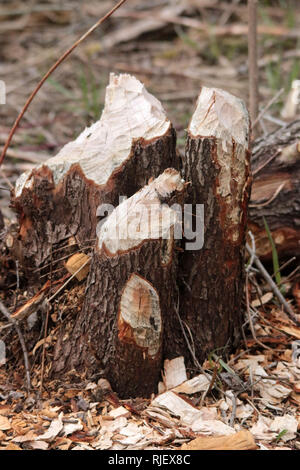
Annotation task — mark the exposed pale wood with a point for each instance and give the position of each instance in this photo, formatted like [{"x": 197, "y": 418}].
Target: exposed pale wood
[
  {"x": 129, "y": 305},
  {"x": 216, "y": 164},
  {"x": 203, "y": 420},
  {"x": 242, "y": 440},
  {"x": 75, "y": 262},
  {"x": 291, "y": 105},
  {"x": 174, "y": 372},
  {"x": 197, "y": 384},
  {"x": 132, "y": 142}
]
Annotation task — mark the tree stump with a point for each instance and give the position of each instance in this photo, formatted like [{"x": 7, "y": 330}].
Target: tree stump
[
  {"x": 144, "y": 278},
  {"x": 130, "y": 302},
  {"x": 211, "y": 276},
  {"x": 117, "y": 155},
  {"x": 276, "y": 192}
]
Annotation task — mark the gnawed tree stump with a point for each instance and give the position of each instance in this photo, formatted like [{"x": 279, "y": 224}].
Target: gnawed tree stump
[
  {"x": 117, "y": 155},
  {"x": 276, "y": 192},
  {"x": 129, "y": 309},
  {"x": 217, "y": 166},
  {"x": 129, "y": 321}
]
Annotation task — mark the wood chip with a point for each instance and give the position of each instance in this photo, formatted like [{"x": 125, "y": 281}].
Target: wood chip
[
  {"x": 75, "y": 262},
  {"x": 290, "y": 330},
  {"x": 242, "y": 440},
  {"x": 4, "y": 423},
  {"x": 263, "y": 300},
  {"x": 195, "y": 385},
  {"x": 174, "y": 372},
  {"x": 120, "y": 411}
]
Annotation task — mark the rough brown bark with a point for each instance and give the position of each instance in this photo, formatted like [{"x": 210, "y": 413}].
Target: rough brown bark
[
  {"x": 132, "y": 142},
  {"x": 276, "y": 191},
  {"x": 129, "y": 321},
  {"x": 130, "y": 302},
  {"x": 217, "y": 166}
]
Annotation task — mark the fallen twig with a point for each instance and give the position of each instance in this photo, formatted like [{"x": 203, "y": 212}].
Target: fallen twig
[
  {"x": 250, "y": 318},
  {"x": 265, "y": 109},
  {"x": 22, "y": 342},
  {"x": 252, "y": 59},
  {"x": 45, "y": 77},
  {"x": 67, "y": 281},
  {"x": 273, "y": 286}
]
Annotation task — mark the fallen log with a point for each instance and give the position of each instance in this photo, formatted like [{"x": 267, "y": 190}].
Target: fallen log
[
  {"x": 129, "y": 308},
  {"x": 276, "y": 192},
  {"x": 116, "y": 156},
  {"x": 211, "y": 278}
]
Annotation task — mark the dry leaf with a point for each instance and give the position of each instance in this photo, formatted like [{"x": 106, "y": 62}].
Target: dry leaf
[
  {"x": 119, "y": 412},
  {"x": 4, "y": 423},
  {"x": 12, "y": 446},
  {"x": 38, "y": 445},
  {"x": 29, "y": 436},
  {"x": 54, "y": 429},
  {"x": 70, "y": 428},
  {"x": 263, "y": 300},
  {"x": 198, "y": 420},
  {"x": 74, "y": 264},
  {"x": 290, "y": 330},
  {"x": 286, "y": 422},
  {"x": 267, "y": 429},
  {"x": 46, "y": 341},
  {"x": 63, "y": 443},
  {"x": 242, "y": 440}
]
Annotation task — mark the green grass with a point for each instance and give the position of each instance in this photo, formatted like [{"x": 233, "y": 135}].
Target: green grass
[
  {"x": 278, "y": 76},
  {"x": 281, "y": 434},
  {"x": 276, "y": 267},
  {"x": 60, "y": 88},
  {"x": 90, "y": 94}
]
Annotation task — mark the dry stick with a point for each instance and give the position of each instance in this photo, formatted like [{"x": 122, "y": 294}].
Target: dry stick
[
  {"x": 253, "y": 249},
  {"x": 57, "y": 63},
  {"x": 22, "y": 342},
  {"x": 273, "y": 286},
  {"x": 6, "y": 179},
  {"x": 254, "y": 172},
  {"x": 212, "y": 382},
  {"x": 290, "y": 276},
  {"x": 46, "y": 329},
  {"x": 265, "y": 109},
  {"x": 274, "y": 196},
  {"x": 284, "y": 265},
  {"x": 68, "y": 280},
  {"x": 252, "y": 58},
  {"x": 250, "y": 318}
]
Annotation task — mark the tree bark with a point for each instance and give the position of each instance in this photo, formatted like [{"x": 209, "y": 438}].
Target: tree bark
[
  {"x": 117, "y": 155},
  {"x": 217, "y": 166},
  {"x": 131, "y": 293},
  {"x": 276, "y": 192}
]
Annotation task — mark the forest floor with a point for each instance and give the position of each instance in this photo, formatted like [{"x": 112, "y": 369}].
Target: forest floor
[{"x": 172, "y": 50}]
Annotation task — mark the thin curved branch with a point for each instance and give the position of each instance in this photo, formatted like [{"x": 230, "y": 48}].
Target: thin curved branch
[{"x": 50, "y": 71}]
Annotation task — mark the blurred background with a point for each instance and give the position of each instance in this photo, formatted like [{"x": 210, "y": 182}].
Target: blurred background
[{"x": 174, "y": 47}]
